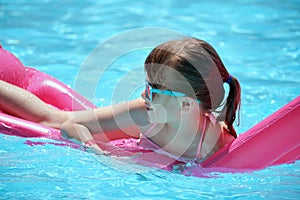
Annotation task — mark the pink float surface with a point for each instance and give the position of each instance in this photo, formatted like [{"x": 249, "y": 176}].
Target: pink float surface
[{"x": 273, "y": 141}]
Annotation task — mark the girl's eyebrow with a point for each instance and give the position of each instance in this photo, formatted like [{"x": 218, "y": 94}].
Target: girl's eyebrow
[
  {"x": 158, "y": 86},
  {"x": 154, "y": 85}
]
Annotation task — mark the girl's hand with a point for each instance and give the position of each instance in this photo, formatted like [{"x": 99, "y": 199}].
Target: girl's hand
[{"x": 95, "y": 148}]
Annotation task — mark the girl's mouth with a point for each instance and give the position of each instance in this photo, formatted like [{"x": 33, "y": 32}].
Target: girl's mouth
[{"x": 148, "y": 109}]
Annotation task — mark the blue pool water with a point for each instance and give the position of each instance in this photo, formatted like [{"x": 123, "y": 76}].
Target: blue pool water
[{"x": 257, "y": 40}]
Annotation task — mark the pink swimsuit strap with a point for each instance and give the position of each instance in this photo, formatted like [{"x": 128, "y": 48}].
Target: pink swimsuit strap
[{"x": 203, "y": 131}]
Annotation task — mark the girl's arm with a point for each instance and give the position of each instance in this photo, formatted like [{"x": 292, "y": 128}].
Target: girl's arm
[
  {"x": 112, "y": 122},
  {"x": 116, "y": 121},
  {"x": 23, "y": 104}
]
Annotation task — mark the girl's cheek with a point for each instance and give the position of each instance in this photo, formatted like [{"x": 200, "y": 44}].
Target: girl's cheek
[{"x": 158, "y": 115}]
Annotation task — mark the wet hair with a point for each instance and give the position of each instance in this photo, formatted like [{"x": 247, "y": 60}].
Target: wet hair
[{"x": 202, "y": 69}]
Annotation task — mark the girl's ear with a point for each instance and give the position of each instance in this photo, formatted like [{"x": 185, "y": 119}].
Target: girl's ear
[{"x": 186, "y": 103}]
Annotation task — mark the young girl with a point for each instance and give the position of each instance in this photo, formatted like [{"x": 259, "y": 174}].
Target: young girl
[{"x": 184, "y": 87}]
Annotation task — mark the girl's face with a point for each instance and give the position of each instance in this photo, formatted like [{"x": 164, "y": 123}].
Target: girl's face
[
  {"x": 165, "y": 105},
  {"x": 162, "y": 107}
]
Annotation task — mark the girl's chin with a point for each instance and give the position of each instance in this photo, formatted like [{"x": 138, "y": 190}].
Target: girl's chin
[
  {"x": 151, "y": 117},
  {"x": 155, "y": 118}
]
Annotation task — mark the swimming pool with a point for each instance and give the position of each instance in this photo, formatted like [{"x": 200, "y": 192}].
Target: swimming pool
[{"x": 258, "y": 41}]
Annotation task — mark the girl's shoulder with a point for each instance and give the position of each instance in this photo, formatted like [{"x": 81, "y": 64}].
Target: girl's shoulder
[
  {"x": 220, "y": 129},
  {"x": 227, "y": 137}
]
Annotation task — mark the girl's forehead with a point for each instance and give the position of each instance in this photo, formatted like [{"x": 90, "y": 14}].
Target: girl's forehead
[
  {"x": 169, "y": 78},
  {"x": 162, "y": 76}
]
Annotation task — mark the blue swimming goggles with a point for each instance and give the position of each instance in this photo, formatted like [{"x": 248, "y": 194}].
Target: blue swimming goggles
[{"x": 149, "y": 90}]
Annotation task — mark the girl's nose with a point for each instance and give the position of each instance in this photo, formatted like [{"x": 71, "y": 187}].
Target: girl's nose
[{"x": 143, "y": 95}]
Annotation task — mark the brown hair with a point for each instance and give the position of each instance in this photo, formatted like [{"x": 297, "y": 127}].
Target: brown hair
[{"x": 203, "y": 70}]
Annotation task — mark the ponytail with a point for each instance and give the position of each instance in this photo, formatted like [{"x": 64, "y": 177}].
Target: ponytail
[
  {"x": 232, "y": 104},
  {"x": 228, "y": 114}
]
